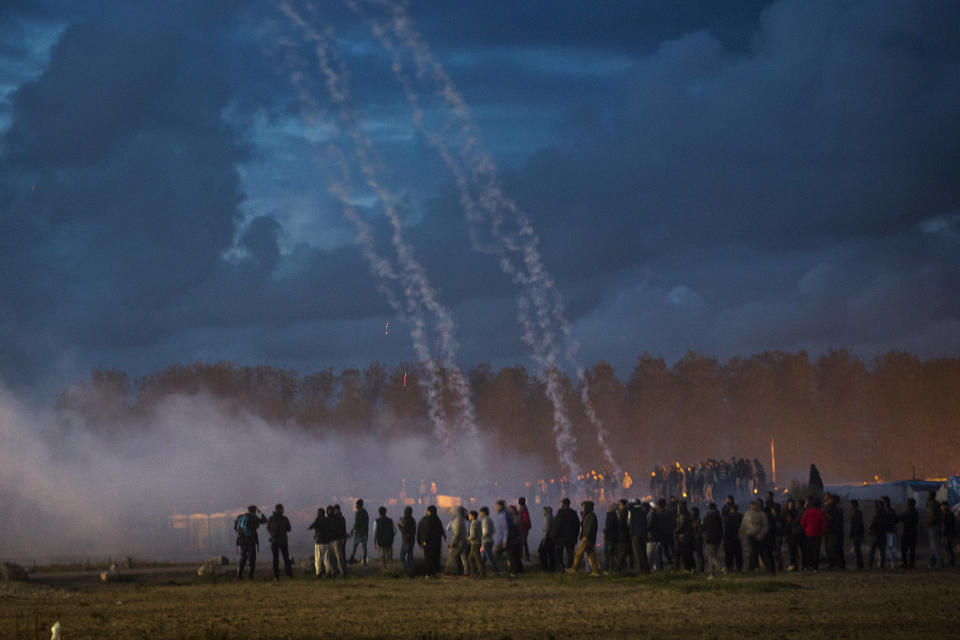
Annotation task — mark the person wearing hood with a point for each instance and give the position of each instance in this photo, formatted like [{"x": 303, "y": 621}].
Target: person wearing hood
[
  {"x": 611, "y": 529},
  {"x": 514, "y": 542},
  {"x": 588, "y": 540},
  {"x": 547, "y": 553},
  {"x": 458, "y": 562},
  {"x": 637, "y": 524},
  {"x": 430, "y": 537}
]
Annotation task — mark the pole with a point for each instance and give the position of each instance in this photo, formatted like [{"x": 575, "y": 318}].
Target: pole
[{"x": 773, "y": 461}]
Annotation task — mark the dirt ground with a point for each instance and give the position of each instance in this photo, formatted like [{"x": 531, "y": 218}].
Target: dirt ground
[{"x": 177, "y": 605}]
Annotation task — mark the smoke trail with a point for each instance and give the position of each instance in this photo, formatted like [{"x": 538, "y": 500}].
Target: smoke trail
[
  {"x": 418, "y": 292},
  {"x": 515, "y": 242}
]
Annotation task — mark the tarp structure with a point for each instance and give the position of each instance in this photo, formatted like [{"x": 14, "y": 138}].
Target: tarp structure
[
  {"x": 898, "y": 491},
  {"x": 953, "y": 490}
]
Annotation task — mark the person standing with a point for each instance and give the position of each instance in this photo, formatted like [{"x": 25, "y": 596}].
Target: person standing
[
  {"x": 408, "y": 538},
  {"x": 383, "y": 534},
  {"x": 339, "y": 543},
  {"x": 712, "y": 539},
  {"x": 430, "y": 536},
  {"x": 834, "y": 536},
  {"x": 948, "y": 531},
  {"x": 488, "y": 549},
  {"x": 878, "y": 533},
  {"x": 610, "y": 530},
  {"x": 525, "y": 526},
  {"x": 892, "y": 520},
  {"x": 569, "y": 526},
  {"x": 546, "y": 551},
  {"x": 278, "y": 525},
  {"x": 637, "y": 522},
  {"x": 475, "y": 540},
  {"x": 753, "y": 533},
  {"x": 814, "y": 524},
  {"x": 774, "y": 542},
  {"x": 322, "y": 536},
  {"x": 794, "y": 533},
  {"x": 457, "y": 560},
  {"x": 857, "y": 532},
  {"x": 360, "y": 531},
  {"x": 683, "y": 533},
  {"x": 732, "y": 548},
  {"x": 588, "y": 540},
  {"x": 931, "y": 522},
  {"x": 248, "y": 540},
  {"x": 908, "y": 541},
  {"x": 697, "y": 525}
]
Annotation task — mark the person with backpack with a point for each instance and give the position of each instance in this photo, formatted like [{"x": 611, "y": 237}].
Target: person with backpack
[
  {"x": 383, "y": 534},
  {"x": 248, "y": 542},
  {"x": 360, "y": 530},
  {"x": 277, "y": 526}
]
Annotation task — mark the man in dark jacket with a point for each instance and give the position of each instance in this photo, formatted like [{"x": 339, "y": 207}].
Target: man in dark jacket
[
  {"x": 775, "y": 533},
  {"x": 611, "y": 529},
  {"x": 588, "y": 540},
  {"x": 666, "y": 526},
  {"x": 794, "y": 533},
  {"x": 637, "y": 523},
  {"x": 878, "y": 533},
  {"x": 339, "y": 542},
  {"x": 408, "y": 538},
  {"x": 383, "y": 534},
  {"x": 360, "y": 531},
  {"x": 834, "y": 537},
  {"x": 931, "y": 522},
  {"x": 568, "y": 525},
  {"x": 908, "y": 541},
  {"x": 697, "y": 525},
  {"x": 248, "y": 540},
  {"x": 430, "y": 536},
  {"x": 322, "y": 535},
  {"x": 712, "y": 539},
  {"x": 525, "y": 526},
  {"x": 732, "y": 548},
  {"x": 277, "y": 526},
  {"x": 624, "y": 548},
  {"x": 857, "y": 532}
]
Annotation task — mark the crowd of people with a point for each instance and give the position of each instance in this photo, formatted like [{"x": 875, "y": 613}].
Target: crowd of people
[
  {"x": 700, "y": 482},
  {"x": 638, "y": 536}
]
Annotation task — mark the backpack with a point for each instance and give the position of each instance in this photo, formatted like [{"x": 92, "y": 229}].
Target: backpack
[{"x": 245, "y": 527}]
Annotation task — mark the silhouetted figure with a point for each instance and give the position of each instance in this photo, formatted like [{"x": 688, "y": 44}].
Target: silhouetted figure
[
  {"x": 383, "y": 533},
  {"x": 278, "y": 525},
  {"x": 322, "y": 537},
  {"x": 408, "y": 538},
  {"x": 815, "y": 482},
  {"x": 547, "y": 550},
  {"x": 732, "y": 549},
  {"x": 569, "y": 530},
  {"x": 360, "y": 531},
  {"x": 908, "y": 541},
  {"x": 430, "y": 537},
  {"x": 878, "y": 533},
  {"x": 834, "y": 536},
  {"x": 588, "y": 540},
  {"x": 857, "y": 532},
  {"x": 248, "y": 541},
  {"x": 525, "y": 526},
  {"x": 712, "y": 539}
]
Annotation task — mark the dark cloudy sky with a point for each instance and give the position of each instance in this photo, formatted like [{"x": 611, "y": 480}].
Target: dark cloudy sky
[{"x": 722, "y": 177}]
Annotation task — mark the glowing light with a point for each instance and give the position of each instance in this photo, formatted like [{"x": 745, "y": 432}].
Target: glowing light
[
  {"x": 404, "y": 378},
  {"x": 386, "y": 329}
]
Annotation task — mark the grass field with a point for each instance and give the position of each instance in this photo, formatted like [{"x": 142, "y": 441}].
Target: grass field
[{"x": 876, "y": 604}]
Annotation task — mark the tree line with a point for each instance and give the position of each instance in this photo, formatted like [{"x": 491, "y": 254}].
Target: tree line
[{"x": 889, "y": 418}]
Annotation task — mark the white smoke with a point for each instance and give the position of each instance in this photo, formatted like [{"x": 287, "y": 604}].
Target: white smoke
[
  {"x": 512, "y": 237},
  {"x": 75, "y": 490}
]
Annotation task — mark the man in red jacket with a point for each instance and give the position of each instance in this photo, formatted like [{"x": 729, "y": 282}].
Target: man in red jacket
[{"x": 814, "y": 525}]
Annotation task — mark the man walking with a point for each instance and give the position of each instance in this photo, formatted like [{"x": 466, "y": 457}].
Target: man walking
[
  {"x": 360, "y": 530},
  {"x": 408, "y": 538},
  {"x": 588, "y": 541}
]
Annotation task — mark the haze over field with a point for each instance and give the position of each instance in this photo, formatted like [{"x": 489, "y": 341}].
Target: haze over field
[{"x": 506, "y": 202}]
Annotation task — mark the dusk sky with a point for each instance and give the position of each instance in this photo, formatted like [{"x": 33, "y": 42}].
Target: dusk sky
[{"x": 718, "y": 177}]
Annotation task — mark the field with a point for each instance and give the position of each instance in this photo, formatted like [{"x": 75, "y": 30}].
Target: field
[{"x": 175, "y": 604}]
